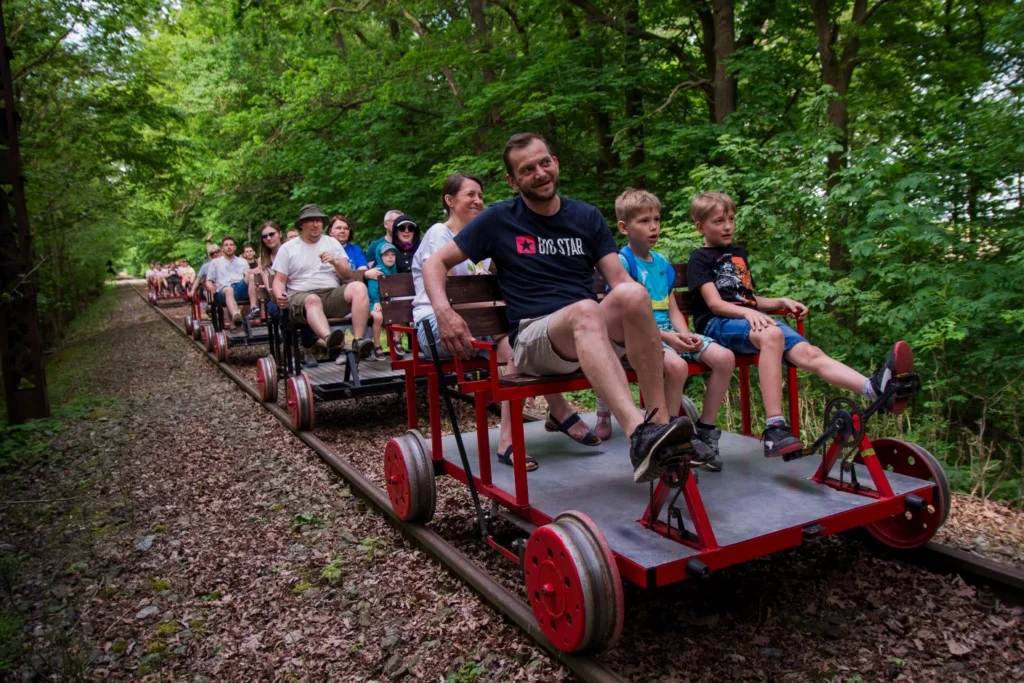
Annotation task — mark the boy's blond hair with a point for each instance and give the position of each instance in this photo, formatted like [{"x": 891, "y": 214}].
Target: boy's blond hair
[
  {"x": 633, "y": 201},
  {"x": 706, "y": 202}
]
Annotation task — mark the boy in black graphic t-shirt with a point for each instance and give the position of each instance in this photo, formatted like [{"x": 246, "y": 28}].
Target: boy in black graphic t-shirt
[
  {"x": 726, "y": 309},
  {"x": 545, "y": 248}
]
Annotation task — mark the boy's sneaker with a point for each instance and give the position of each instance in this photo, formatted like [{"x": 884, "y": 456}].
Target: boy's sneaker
[
  {"x": 254, "y": 314},
  {"x": 236, "y": 319},
  {"x": 899, "y": 364},
  {"x": 653, "y": 447},
  {"x": 709, "y": 438},
  {"x": 778, "y": 440}
]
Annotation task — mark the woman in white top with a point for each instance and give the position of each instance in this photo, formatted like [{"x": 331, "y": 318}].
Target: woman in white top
[{"x": 463, "y": 198}]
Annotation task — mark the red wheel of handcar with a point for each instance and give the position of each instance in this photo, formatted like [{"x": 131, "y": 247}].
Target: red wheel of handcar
[
  {"x": 911, "y": 528},
  {"x": 207, "y": 337},
  {"x": 188, "y": 325},
  {"x": 573, "y": 584},
  {"x": 409, "y": 477},
  {"x": 266, "y": 378},
  {"x": 299, "y": 395},
  {"x": 197, "y": 329},
  {"x": 220, "y": 346}
]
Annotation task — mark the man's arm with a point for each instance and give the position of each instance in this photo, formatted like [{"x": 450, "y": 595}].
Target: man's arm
[
  {"x": 455, "y": 335},
  {"x": 343, "y": 269},
  {"x": 280, "y": 280},
  {"x": 612, "y": 271}
]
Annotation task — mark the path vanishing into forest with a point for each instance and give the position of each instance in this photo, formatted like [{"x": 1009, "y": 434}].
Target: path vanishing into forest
[{"x": 178, "y": 531}]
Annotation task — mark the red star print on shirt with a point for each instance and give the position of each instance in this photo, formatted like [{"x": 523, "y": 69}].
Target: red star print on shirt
[{"x": 526, "y": 245}]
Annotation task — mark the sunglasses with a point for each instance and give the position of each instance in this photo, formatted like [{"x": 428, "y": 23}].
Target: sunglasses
[
  {"x": 268, "y": 235},
  {"x": 404, "y": 228}
]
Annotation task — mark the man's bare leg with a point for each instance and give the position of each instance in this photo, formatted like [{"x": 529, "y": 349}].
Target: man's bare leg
[
  {"x": 315, "y": 317},
  {"x": 358, "y": 299},
  {"x": 229, "y": 302},
  {"x": 581, "y": 331}
]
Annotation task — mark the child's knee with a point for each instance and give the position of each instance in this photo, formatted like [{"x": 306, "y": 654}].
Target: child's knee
[
  {"x": 719, "y": 358},
  {"x": 771, "y": 337},
  {"x": 807, "y": 353},
  {"x": 676, "y": 369}
]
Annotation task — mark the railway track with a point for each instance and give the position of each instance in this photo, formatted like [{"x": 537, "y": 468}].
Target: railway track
[
  {"x": 997, "y": 579},
  {"x": 586, "y": 668}
]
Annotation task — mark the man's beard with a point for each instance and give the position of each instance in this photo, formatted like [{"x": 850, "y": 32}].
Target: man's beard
[{"x": 531, "y": 194}]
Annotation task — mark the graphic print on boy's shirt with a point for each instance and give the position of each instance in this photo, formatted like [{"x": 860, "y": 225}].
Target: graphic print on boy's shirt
[{"x": 727, "y": 268}]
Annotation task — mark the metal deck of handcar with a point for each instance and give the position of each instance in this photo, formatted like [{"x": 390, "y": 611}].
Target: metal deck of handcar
[{"x": 751, "y": 499}]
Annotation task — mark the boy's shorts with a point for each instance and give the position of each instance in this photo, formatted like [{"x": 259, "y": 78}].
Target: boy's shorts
[
  {"x": 734, "y": 334},
  {"x": 240, "y": 289},
  {"x": 693, "y": 356},
  {"x": 333, "y": 301},
  {"x": 534, "y": 354}
]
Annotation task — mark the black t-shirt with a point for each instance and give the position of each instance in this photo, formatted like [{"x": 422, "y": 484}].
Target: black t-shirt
[
  {"x": 544, "y": 263},
  {"x": 727, "y": 268}
]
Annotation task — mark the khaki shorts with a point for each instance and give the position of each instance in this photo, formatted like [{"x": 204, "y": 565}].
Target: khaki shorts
[
  {"x": 534, "y": 354},
  {"x": 333, "y": 301}
]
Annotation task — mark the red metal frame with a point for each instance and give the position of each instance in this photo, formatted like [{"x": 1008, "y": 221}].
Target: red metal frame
[{"x": 701, "y": 538}]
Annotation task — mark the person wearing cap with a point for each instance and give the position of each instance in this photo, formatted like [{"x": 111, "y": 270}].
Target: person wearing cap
[
  {"x": 226, "y": 280},
  {"x": 313, "y": 279},
  {"x": 372, "y": 251},
  {"x": 388, "y": 255},
  {"x": 406, "y": 237}
]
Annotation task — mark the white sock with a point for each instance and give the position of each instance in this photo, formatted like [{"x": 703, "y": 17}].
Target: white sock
[
  {"x": 869, "y": 390},
  {"x": 776, "y": 420}
]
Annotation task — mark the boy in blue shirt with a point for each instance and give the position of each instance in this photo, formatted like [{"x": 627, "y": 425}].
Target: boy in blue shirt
[
  {"x": 639, "y": 218},
  {"x": 726, "y": 309}
]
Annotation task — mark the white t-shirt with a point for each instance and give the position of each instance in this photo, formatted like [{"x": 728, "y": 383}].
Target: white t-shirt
[
  {"x": 300, "y": 261},
  {"x": 150, "y": 274},
  {"x": 223, "y": 272},
  {"x": 435, "y": 238}
]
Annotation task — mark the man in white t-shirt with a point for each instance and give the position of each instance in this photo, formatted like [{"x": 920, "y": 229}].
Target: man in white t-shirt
[
  {"x": 226, "y": 280},
  {"x": 313, "y": 279}
]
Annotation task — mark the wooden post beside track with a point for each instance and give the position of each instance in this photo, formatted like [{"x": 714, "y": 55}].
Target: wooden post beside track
[{"x": 21, "y": 348}]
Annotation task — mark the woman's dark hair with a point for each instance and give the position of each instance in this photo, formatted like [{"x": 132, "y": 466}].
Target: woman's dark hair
[
  {"x": 264, "y": 253},
  {"x": 351, "y": 228},
  {"x": 452, "y": 185}
]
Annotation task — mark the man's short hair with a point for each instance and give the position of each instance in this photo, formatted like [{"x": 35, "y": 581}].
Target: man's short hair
[
  {"x": 519, "y": 141},
  {"x": 395, "y": 212},
  {"x": 228, "y": 238},
  {"x": 632, "y": 202},
  {"x": 706, "y": 202}
]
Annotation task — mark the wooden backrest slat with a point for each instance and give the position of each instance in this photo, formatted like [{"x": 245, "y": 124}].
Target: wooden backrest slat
[
  {"x": 463, "y": 289},
  {"x": 485, "y": 321},
  {"x": 396, "y": 286}
]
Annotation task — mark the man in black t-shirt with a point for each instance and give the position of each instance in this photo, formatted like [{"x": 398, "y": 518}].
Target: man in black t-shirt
[{"x": 545, "y": 248}]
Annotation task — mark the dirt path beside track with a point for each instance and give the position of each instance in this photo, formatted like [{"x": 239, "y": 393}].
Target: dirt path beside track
[{"x": 177, "y": 531}]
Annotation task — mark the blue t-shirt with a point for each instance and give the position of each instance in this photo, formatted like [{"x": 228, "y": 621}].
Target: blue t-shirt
[
  {"x": 657, "y": 276},
  {"x": 544, "y": 263},
  {"x": 356, "y": 257}
]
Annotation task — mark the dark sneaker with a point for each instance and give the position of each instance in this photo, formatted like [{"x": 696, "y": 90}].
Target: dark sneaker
[
  {"x": 236, "y": 319},
  {"x": 709, "y": 438},
  {"x": 778, "y": 441},
  {"x": 335, "y": 339},
  {"x": 254, "y": 314},
  {"x": 654, "y": 447},
  {"x": 898, "y": 365},
  {"x": 362, "y": 347}
]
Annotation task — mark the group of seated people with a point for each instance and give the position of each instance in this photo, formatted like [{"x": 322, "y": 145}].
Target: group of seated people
[
  {"x": 170, "y": 279},
  {"x": 544, "y": 249}
]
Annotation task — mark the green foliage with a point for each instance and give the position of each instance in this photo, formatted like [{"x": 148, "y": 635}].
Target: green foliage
[
  {"x": 467, "y": 673},
  {"x": 901, "y": 219},
  {"x": 332, "y": 571},
  {"x": 25, "y": 442}
]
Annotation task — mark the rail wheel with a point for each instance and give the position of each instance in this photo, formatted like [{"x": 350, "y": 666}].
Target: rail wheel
[
  {"x": 266, "y": 378},
  {"x": 220, "y": 346},
  {"x": 197, "y": 329},
  {"x": 188, "y": 325},
  {"x": 152, "y": 297},
  {"x": 207, "y": 337},
  {"x": 690, "y": 410},
  {"x": 409, "y": 475},
  {"x": 913, "y": 527},
  {"x": 299, "y": 394},
  {"x": 573, "y": 584}
]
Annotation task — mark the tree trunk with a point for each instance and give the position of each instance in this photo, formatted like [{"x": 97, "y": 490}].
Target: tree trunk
[
  {"x": 710, "y": 54},
  {"x": 634, "y": 97},
  {"x": 725, "y": 46}
]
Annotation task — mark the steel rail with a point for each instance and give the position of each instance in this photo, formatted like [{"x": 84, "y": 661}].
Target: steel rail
[{"x": 587, "y": 668}]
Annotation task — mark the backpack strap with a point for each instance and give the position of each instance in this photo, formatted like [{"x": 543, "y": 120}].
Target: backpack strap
[{"x": 632, "y": 267}]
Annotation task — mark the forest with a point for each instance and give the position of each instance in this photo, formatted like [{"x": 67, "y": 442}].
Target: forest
[{"x": 875, "y": 150}]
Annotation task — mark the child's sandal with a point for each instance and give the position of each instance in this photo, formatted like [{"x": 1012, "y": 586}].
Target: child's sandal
[{"x": 506, "y": 459}]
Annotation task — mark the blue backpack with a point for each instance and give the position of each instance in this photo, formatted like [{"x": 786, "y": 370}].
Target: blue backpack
[{"x": 634, "y": 269}]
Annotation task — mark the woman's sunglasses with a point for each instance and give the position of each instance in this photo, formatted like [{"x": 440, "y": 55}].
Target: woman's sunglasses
[
  {"x": 404, "y": 228},
  {"x": 268, "y": 235}
]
